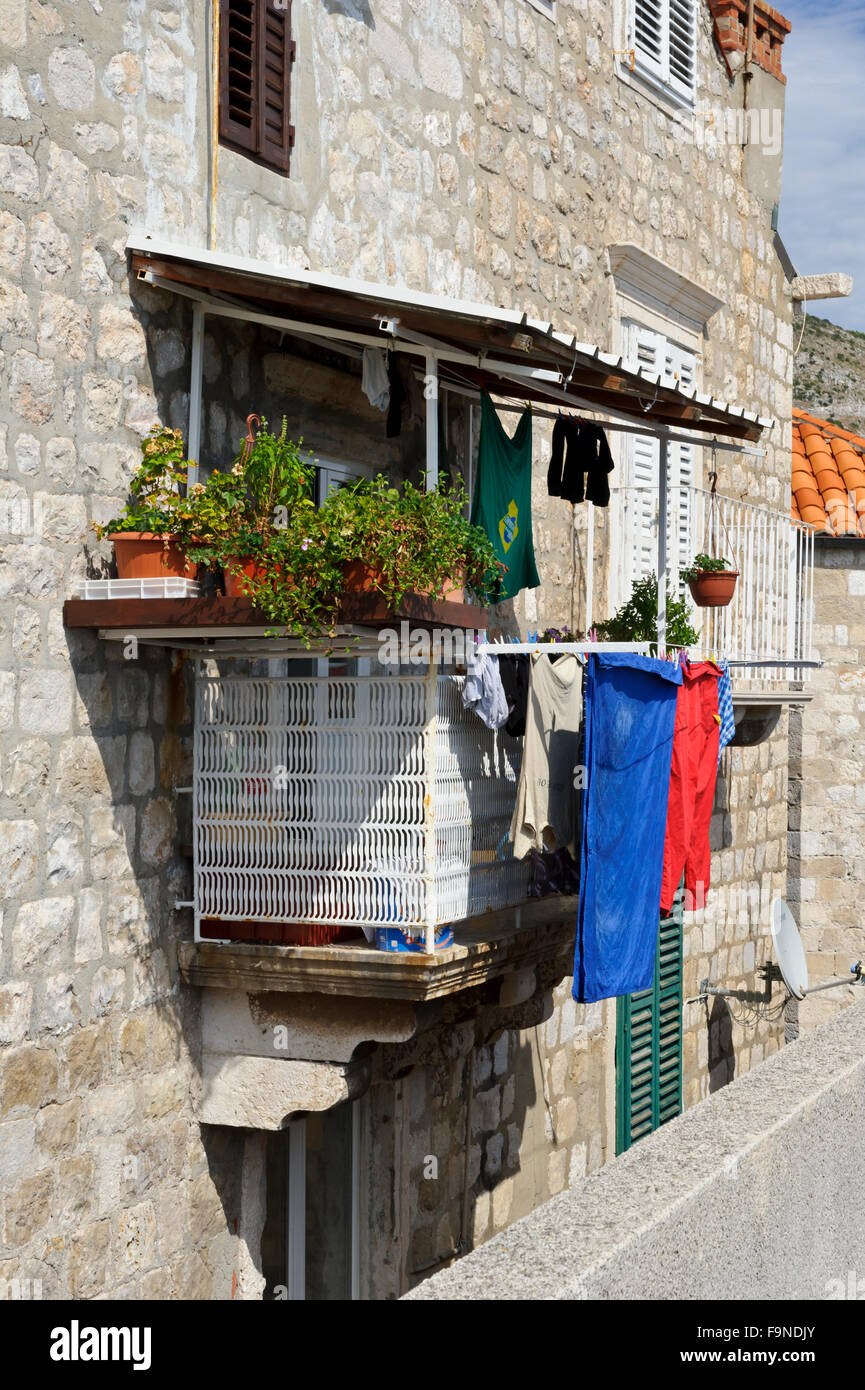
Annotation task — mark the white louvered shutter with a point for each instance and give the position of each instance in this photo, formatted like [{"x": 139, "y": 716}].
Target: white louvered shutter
[
  {"x": 663, "y": 34},
  {"x": 680, "y": 366},
  {"x": 648, "y": 35},
  {"x": 641, "y": 551},
  {"x": 653, "y": 352},
  {"x": 681, "y": 31}
]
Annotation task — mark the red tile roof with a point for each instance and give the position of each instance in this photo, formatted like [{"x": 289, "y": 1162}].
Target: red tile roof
[{"x": 828, "y": 476}]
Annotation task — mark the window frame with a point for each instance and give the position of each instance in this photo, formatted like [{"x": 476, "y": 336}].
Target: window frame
[
  {"x": 252, "y": 143},
  {"x": 292, "y": 1141},
  {"x": 547, "y": 8}
]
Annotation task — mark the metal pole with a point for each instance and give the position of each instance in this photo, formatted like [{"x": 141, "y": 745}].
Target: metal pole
[
  {"x": 429, "y": 831},
  {"x": 431, "y": 393},
  {"x": 663, "y": 472},
  {"x": 196, "y": 375},
  {"x": 470, "y": 455},
  {"x": 590, "y": 565}
]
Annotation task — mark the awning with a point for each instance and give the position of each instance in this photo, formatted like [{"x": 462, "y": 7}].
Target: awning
[{"x": 475, "y": 345}]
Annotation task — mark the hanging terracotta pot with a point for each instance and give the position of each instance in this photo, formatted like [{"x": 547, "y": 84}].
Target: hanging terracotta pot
[
  {"x": 713, "y": 588},
  {"x": 146, "y": 555}
]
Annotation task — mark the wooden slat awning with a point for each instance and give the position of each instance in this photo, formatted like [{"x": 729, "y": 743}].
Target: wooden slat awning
[{"x": 500, "y": 350}]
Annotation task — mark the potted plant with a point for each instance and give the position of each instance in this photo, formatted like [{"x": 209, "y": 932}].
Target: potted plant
[
  {"x": 234, "y": 515},
  {"x": 147, "y": 534},
  {"x": 637, "y": 620},
  {"x": 711, "y": 581},
  {"x": 395, "y": 541}
]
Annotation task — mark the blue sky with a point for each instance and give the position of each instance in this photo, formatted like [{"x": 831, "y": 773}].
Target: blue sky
[{"x": 823, "y": 204}]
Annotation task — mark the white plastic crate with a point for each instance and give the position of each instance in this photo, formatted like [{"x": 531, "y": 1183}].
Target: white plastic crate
[
  {"x": 170, "y": 587},
  {"x": 309, "y": 801}
]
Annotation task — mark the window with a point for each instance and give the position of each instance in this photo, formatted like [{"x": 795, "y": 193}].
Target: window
[
  {"x": 255, "y": 57},
  {"x": 309, "y": 1244},
  {"x": 546, "y": 7},
  {"x": 655, "y": 352},
  {"x": 649, "y": 1042},
  {"x": 663, "y": 36}
]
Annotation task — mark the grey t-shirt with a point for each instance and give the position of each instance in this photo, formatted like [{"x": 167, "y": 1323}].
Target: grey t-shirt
[{"x": 545, "y": 814}]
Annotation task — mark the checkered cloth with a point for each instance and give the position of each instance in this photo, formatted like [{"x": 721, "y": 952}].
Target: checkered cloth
[{"x": 725, "y": 709}]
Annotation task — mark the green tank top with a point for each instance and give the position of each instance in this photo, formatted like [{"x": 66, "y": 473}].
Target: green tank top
[{"x": 502, "y": 503}]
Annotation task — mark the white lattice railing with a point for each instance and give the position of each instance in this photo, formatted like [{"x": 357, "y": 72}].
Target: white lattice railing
[
  {"x": 357, "y": 801},
  {"x": 770, "y": 620}
]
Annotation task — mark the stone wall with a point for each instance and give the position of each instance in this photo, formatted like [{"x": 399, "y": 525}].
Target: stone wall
[
  {"x": 827, "y": 790},
  {"x": 471, "y": 149},
  {"x": 747, "y": 1196},
  {"x": 509, "y": 1118}
]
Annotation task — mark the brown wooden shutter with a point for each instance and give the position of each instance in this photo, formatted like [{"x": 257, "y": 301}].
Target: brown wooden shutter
[
  {"x": 276, "y": 52},
  {"x": 256, "y": 53}
]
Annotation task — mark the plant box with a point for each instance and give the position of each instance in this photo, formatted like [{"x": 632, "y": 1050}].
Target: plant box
[
  {"x": 713, "y": 589},
  {"x": 146, "y": 555},
  {"x": 362, "y": 577},
  {"x": 252, "y": 570},
  {"x": 278, "y": 933}
]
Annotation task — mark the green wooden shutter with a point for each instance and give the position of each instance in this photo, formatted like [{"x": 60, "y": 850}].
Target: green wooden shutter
[{"x": 649, "y": 1042}]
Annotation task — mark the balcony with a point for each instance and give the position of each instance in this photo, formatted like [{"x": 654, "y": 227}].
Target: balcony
[
  {"x": 331, "y": 802},
  {"x": 766, "y": 633}
]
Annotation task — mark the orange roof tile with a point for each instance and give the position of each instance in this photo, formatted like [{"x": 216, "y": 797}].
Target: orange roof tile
[{"x": 828, "y": 476}]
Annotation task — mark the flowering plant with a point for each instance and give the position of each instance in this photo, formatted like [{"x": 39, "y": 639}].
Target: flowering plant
[
  {"x": 234, "y": 515},
  {"x": 156, "y": 503}
]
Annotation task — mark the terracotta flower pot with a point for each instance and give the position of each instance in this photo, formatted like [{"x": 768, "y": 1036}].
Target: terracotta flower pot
[
  {"x": 235, "y": 587},
  {"x": 145, "y": 555},
  {"x": 364, "y": 577},
  {"x": 713, "y": 589}
]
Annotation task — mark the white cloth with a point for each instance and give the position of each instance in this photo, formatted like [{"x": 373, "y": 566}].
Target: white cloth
[
  {"x": 545, "y": 814},
  {"x": 483, "y": 691},
  {"x": 374, "y": 380}
]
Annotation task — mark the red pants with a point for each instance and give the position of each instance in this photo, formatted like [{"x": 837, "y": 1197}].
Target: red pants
[{"x": 693, "y": 775}]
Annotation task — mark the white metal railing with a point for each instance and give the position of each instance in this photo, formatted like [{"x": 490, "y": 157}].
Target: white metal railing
[
  {"x": 357, "y": 800},
  {"x": 770, "y": 620}
]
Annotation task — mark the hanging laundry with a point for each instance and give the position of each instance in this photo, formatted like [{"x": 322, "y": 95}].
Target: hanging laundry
[
  {"x": 725, "y": 710},
  {"x": 582, "y": 472},
  {"x": 374, "y": 378},
  {"x": 553, "y": 871},
  {"x": 483, "y": 691},
  {"x": 692, "y": 786},
  {"x": 396, "y": 400},
  {"x": 514, "y": 671},
  {"x": 502, "y": 504},
  {"x": 630, "y": 711},
  {"x": 545, "y": 814}
]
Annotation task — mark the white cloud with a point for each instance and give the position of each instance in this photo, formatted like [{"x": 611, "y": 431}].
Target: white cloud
[{"x": 823, "y": 205}]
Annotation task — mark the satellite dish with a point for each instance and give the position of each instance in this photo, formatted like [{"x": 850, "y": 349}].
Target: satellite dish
[{"x": 789, "y": 949}]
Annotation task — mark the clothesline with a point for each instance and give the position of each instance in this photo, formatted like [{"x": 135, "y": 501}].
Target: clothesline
[
  {"x": 517, "y": 648},
  {"x": 611, "y": 426}
]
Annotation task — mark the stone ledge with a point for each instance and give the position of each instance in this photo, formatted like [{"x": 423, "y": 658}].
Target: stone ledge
[
  {"x": 497, "y": 944},
  {"x": 832, "y": 285}
]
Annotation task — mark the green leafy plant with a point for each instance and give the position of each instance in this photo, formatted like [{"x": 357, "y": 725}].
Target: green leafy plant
[
  {"x": 412, "y": 540},
  {"x": 156, "y": 503},
  {"x": 704, "y": 564},
  {"x": 297, "y": 579},
  {"x": 637, "y": 620},
  {"x": 233, "y": 516}
]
